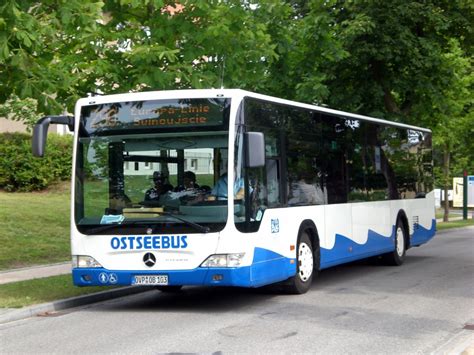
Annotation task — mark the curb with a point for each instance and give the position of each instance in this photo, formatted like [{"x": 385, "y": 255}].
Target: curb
[
  {"x": 461, "y": 343},
  {"x": 12, "y": 315}
]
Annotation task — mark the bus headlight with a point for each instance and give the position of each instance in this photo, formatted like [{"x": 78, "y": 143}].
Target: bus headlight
[
  {"x": 83, "y": 261},
  {"x": 224, "y": 260}
]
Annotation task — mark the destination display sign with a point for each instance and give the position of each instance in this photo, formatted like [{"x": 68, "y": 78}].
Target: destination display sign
[{"x": 155, "y": 114}]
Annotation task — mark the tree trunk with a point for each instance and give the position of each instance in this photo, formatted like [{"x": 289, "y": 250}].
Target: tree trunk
[{"x": 446, "y": 160}]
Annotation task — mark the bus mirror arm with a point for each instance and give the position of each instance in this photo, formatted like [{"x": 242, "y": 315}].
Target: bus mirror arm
[
  {"x": 40, "y": 131},
  {"x": 254, "y": 149}
]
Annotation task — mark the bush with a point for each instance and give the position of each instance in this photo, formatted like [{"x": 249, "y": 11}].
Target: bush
[{"x": 21, "y": 171}]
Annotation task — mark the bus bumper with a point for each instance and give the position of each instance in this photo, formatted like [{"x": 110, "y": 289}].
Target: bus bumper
[
  {"x": 266, "y": 268},
  {"x": 200, "y": 276}
]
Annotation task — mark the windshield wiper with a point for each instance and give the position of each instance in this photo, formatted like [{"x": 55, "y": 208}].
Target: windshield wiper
[
  {"x": 198, "y": 227},
  {"x": 110, "y": 226}
]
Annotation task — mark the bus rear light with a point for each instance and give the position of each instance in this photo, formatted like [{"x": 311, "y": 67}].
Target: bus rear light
[
  {"x": 84, "y": 261},
  {"x": 224, "y": 260}
]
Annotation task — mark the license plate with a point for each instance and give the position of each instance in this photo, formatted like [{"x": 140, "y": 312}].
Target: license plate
[{"x": 150, "y": 280}]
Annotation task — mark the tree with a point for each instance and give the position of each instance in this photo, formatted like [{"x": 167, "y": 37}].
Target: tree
[
  {"x": 22, "y": 110},
  {"x": 39, "y": 49},
  {"x": 194, "y": 45},
  {"x": 454, "y": 120},
  {"x": 58, "y": 51},
  {"x": 397, "y": 60},
  {"x": 394, "y": 68},
  {"x": 306, "y": 45},
  {"x": 408, "y": 62}
]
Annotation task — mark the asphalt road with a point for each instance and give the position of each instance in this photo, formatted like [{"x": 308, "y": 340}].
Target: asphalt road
[{"x": 420, "y": 307}]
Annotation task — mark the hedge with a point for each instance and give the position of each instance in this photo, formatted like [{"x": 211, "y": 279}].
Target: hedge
[{"x": 21, "y": 171}]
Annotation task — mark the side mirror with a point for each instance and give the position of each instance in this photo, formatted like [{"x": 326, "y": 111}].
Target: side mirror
[
  {"x": 254, "y": 149},
  {"x": 40, "y": 131}
]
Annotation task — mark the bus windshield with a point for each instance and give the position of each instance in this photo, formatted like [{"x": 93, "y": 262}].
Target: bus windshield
[{"x": 151, "y": 167}]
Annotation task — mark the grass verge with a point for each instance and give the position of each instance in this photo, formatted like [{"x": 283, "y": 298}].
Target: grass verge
[
  {"x": 26, "y": 293},
  {"x": 34, "y": 227},
  {"x": 454, "y": 224}
]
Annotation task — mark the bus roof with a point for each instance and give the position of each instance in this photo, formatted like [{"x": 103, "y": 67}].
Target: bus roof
[{"x": 232, "y": 93}]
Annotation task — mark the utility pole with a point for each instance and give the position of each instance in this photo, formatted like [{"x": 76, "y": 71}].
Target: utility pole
[{"x": 464, "y": 196}]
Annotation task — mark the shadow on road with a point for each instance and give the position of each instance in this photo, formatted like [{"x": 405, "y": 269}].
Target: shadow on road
[{"x": 221, "y": 299}]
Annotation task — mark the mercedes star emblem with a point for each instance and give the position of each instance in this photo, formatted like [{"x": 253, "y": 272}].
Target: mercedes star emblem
[{"x": 149, "y": 259}]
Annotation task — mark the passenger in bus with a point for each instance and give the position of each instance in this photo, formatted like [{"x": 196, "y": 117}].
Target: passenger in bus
[
  {"x": 190, "y": 192},
  {"x": 189, "y": 182},
  {"x": 159, "y": 190},
  {"x": 303, "y": 192}
]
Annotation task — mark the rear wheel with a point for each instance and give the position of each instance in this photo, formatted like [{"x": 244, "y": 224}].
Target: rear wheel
[
  {"x": 398, "y": 255},
  {"x": 301, "y": 282}
]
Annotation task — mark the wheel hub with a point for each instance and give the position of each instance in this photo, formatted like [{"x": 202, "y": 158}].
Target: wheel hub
[
  {"x": 305, "y": 259},
  {"x": 400, "y": 242}
]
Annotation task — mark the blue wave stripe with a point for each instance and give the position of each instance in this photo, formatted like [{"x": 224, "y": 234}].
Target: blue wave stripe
[
  {"x": 346, "y": 250},
  {"x": 268, "y": 267},
  {"x": 423, "y": 235}
]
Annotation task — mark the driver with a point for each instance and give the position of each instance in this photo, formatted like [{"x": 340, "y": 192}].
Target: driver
[{"x": 158, "y": 190}]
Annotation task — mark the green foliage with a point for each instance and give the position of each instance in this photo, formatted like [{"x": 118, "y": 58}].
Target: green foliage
[
  {"x": 22, "y": 110},
  {"x": 453, "y": 117},
  {"x": 57, "y": 51},
  {"x": 41, "y": 45},
  {"x": 405, "y": 61},
  {"x": 394, "y": 68},
  {"x": 20, "y": 171},
  {"x": 200, "y": 44}
]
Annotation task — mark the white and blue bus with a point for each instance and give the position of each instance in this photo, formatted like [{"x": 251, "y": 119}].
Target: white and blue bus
[{"x": 318, "y": 188}]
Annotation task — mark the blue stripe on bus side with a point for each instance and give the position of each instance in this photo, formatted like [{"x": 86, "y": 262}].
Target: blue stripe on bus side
[
  {"x": 346, "y": 250},
  {"x": 267, "y": 266},
  {"x": 422, "y": 235}
]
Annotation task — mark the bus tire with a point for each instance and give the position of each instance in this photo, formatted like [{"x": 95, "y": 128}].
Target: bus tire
[
  {"x": 397, "y": 257},
  {"x": 301, "y": 282},
  {"x": 169, "y": 289}
]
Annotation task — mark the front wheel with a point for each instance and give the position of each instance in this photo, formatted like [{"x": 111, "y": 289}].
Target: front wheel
[
  {"x": 397, "y": 257},
  {"x": 301, "y": 282}
]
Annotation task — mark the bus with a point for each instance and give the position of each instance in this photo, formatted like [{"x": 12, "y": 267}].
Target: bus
[{"x": 317, "y": 187}]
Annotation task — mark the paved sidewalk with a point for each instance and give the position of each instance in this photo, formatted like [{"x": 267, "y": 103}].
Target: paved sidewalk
[{"x": 34, "y": 272}]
